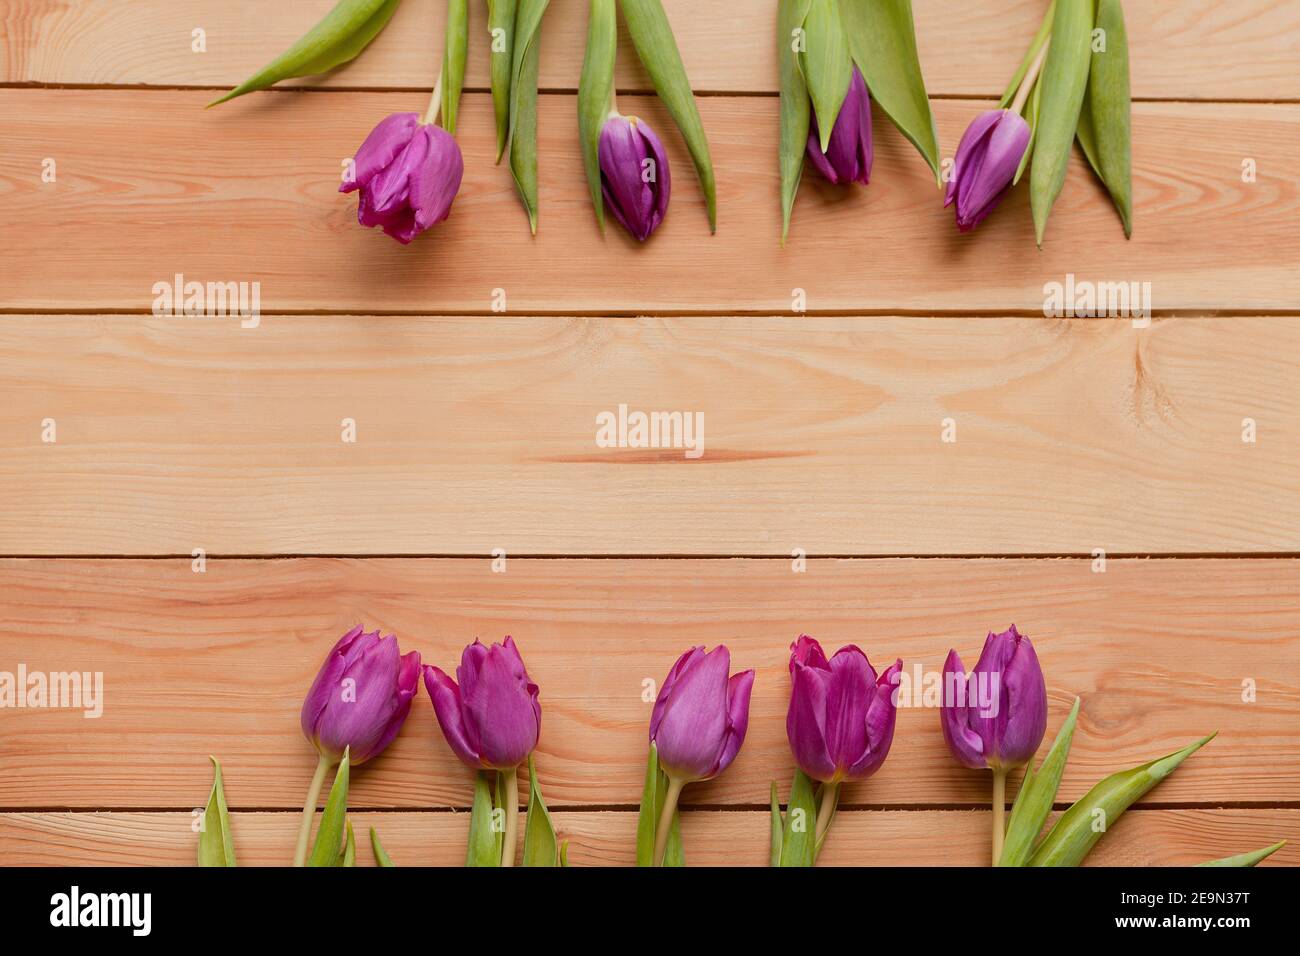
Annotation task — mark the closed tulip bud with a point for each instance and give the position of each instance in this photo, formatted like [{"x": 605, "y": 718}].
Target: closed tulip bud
[
  {"x": 361, "y": 696},
  {"x": 490, "y": 714},
  {"x": 634, "y": 176},
  {"x": 849, "y": 154},
  {"x": 987, "y": 160},
  {"x": 841, "y": 717},
  {"x": 996, "y": 716},
  {"x": 700, "y": 715},
  {"x": 408, "y": 173}
]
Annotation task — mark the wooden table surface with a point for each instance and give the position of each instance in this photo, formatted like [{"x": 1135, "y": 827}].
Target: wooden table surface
[{"x": 475, "y": 432}]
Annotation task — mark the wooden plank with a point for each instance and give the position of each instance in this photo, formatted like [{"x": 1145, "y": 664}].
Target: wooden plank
[
  {"x": 480, "y": 433},
  {"x": 1246, "y": 49},
  {"x": 712, "y": 838},
  {"x": 249, "y": 194},
  {"x": 217, "y": 662}
]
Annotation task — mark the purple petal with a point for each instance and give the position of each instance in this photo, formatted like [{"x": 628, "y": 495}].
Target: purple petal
[
  {"x": 364, "y": 701},
  {"x": 385, "y": 142},
  {"x": 502, "y": 706},
  {"x": 963, "y": 743},
  {"x": 435, "y": 182},
  {"x": 690, "y": 732},
  {"x": 849, "y": 152},
  {"x": 324, "y": 686},
  {"x": 666, "y": 689},
  {"x": 446, "y": 706},
  {"x": 805, "y": 723},
  {"x": 739, "y": 687},
  {"x": 880, "y": 717},
  {"x": 408, "y": 679},
  {"x": 1025, "y": 703},
  {"x": 972, "y": 142},
  {"x": 848, "y": 695},
  {"x": 625, "y": 144}
]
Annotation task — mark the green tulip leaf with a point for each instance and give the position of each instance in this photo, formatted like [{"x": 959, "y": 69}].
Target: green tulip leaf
[
  {"x": 1079, "y": 828},
  {"x": 564, "y": 853},
  {"x": 652, "y": 36},
  {"x": 540, "y": 845},
  {"x": 340, "y": 37},
  {"x": 778, "y": 829},
  {"x": 329, "y": 838},
  {"x": 216, "y": 844},
  {"x": 1044, "y": 32},
  {"x": 1033, "y": 110},
  {"x": 523, "y": 104},
  {"x": 826, "y": 64},
  {"x": 1246, "y": 859},
  {"x": 799, "y": 841},
  {"x": 596, "y": 93},
  {"x": 1064, "y": 82},
  {"x": 349, "y": 855},
  {"x": 453, "y": 62},
  {"x": 1105, "y": 121},
  {"x": 501, "y": 29},
  {"x": 484, "y": 840},
  {"x": 882, "y": 37},
  {"x": 1036, "y": 796},
  {"x": 381, "y": 855},
  {"x": 653, "y": 795},
  {"x": 796, "y": 107}
]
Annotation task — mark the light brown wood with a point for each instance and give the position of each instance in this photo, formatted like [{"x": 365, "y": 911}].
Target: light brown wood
[
  {"x": 966, "y": 49},
  {"x": 150, "y": 185},
  {"x": 480, "y": 433},
  {"x": 1159, "y": 651},
  {"x": 858, "y": 838}
]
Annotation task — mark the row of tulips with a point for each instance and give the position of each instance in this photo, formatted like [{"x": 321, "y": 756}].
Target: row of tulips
[
  {"x": 840, "y": 725},
  {"x": 834, "y": 56}
]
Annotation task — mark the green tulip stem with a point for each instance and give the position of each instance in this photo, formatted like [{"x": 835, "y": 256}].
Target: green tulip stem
[
  {"x": 666, "y": 818},
  {"x": 511, "y": 801},
  {"x": 435, "y": 104},
  {"x": 830, "y": 797},
  {"x": 1027, "y": 85},
  {"x": 999, "y": 811},
  {"x": 309, "y": 810}
]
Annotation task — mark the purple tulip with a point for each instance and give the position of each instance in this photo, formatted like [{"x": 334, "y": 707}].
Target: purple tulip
[
  {"x": 996, "y": 716},
  {"x": 841, "y": 717},
  {"x": 634, "y": 175},
  {"x": 360, "y": 697},
  {"x": 848, "y": 154},
  {"x": 987, "y": 160},
  {"x": 700, "y": 715},
  {"x": 492, "y": 716},
  {"x": 408, "y": 173}
]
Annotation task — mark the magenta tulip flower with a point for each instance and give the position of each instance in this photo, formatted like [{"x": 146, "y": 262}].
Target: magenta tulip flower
[
  {"x": 849, "y": 153},
  {"x": 996, "y": 716},
  {"x": 841, "y": 717},
  {"x": 697, "y": 726},
  {"x": 408, "y": 173},
  {"x": 634, "y": 174},
  {"x": 357, "y": 704},
  {"x": 987, "y": 160},
  {"x": 490, "y": 714}
]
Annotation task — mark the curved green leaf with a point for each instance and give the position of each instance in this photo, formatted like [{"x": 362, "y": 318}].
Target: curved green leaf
[
  {"x": 484, "y": 841},
  {"x": 349, "y": 854},
  {"x": 796, "y": 107},
  {"x": 381, "y": 855},
  {"x": 329, "y": 838},
  {"x": 826, "y": 65},
  {"x": 799, "y": 841},
  {"x": 596, "y": 93},
  {"x": 1033, "y": 110},
  {"x": 523, "y": 104},
  {"x": 453, "y": 62},
  {"x": 652, "y": 800},
  {"x": 1036, "y": 796},
  {"x": 1246, "y": 859},
  {"x": 216, "y": 844},
  {"x": 540, "y": 846},
  {"x": 653, "y": 38},
  {"x": 1064, "y": 82},
  {"x": 882, "y": 38},
  {"x": 1107, "y": 110},
  {"x": 340, "y": 37},
  {"x": 1080, "y": 827},
  {"x": 501, "y": 17}
]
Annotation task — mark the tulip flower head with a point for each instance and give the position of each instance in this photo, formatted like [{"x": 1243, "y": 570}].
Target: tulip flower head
[
  {"x": 701, "y": 714},
  {"x": 408, "y": 173},
  {"x": 841, "y": 717},
  {"x": 634, "y": 175},
  {"x": 490, "y": 714},
  {"x": 985, "y": 168},
  {"x": 996, "y": 716},
  {"x": 360, "y": 697},
  {"x": 849, "y": 154}
]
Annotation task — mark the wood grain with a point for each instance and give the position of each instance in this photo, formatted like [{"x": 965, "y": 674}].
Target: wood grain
[
  {"x": 218, "y": 662},
  {"x": 858, "y": 838},
  {"x": 150, "y": 185},
  {"x": 1242, "y": 50},
  {"x": 480, "y": 433}
]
